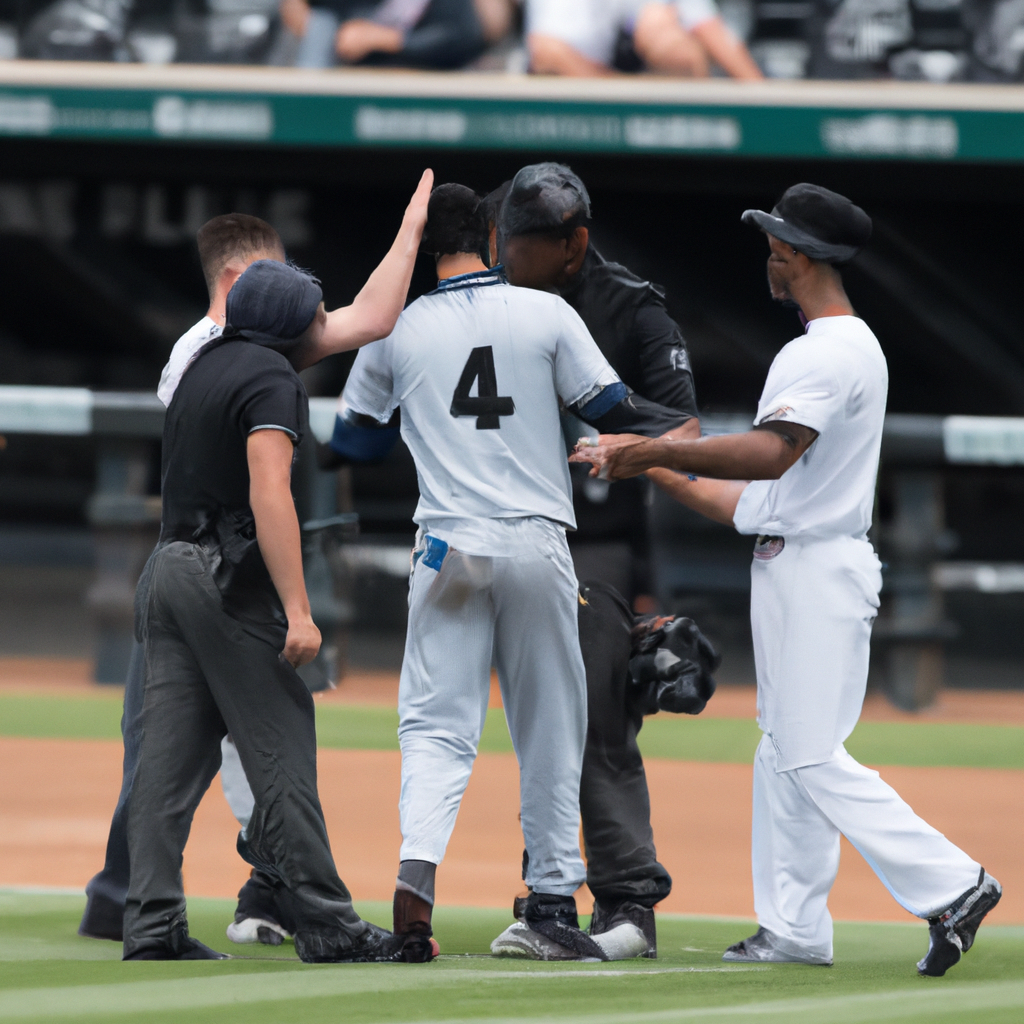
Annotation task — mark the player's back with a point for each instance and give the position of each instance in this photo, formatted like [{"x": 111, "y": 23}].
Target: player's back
[{"x": 477, "y": 367}]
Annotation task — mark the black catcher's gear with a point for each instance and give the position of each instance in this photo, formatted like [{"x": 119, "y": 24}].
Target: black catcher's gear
[{"x": 671, "y": 666}]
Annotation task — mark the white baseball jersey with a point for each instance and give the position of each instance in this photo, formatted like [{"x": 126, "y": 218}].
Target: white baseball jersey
[
  {"x": 813, "y": 599},
  {"x": 481, "y": 420},
  {"x": 592, "y": 26},
  {"x": 834, "y": 380},
  {"x": 186, "y": 348}
]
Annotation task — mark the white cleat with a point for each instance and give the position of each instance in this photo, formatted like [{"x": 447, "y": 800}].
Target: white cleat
[
  {"x": 254, "y": 929},
  {"x": 623, "y": 942},
  {"x": 520, "y": 940}
]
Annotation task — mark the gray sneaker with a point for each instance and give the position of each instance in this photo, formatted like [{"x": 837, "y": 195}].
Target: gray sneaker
[
  {"x": 763, "y": 948},
  {"x": 951, "y": 933}
]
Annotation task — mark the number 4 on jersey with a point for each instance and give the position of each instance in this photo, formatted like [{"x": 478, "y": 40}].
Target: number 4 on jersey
[{"x": 486, "y": 405}]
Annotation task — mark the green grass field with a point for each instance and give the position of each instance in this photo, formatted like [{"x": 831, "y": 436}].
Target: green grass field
[
  {"x": 47, "y": 973},
  {"x": 677, "y": 737}
]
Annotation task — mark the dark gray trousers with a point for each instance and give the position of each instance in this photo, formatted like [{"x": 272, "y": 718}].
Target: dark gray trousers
[
  {"x": 204, "y": 676},
  {"x": 615, "y": 806}
]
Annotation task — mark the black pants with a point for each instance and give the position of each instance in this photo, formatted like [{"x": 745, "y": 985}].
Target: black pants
[
  {"x": 615, "y": 805},
  {"x": 107, "y": 890},
  {"x": 205, "y": 676}
]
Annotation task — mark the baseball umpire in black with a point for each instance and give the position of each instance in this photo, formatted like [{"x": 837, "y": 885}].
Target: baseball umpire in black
[
  {"x": 542, "y": 239},
  {"x": 224, "y": 621}
]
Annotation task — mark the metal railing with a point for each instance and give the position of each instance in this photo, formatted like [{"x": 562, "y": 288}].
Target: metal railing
[{"x": 909, "y": 636}]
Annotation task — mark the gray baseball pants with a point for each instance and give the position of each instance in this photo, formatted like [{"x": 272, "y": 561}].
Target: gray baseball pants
[
  {"x": 206, "y": 676},
  {"x": 517, "y": 612}
]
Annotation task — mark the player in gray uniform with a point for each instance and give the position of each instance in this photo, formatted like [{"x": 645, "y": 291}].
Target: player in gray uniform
[
  {"x": 813, "y": 460},
  {"x": 477, "y": 368}
]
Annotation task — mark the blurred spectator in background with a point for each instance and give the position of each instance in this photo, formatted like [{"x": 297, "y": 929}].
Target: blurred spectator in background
[
  {"x": 440, "y": 34},
  {"x": 601, "y": 37},
  {"x": 912, "y": 40}
]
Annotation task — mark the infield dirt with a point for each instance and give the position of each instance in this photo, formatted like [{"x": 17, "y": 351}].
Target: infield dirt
[{"x": 57, "y": 796}]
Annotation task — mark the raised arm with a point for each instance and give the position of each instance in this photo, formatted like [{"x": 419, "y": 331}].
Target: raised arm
[
  {"x": 269, "y": 454},
  {"x": 375, "y": 310},
  {"x": 764, "y": 453}
]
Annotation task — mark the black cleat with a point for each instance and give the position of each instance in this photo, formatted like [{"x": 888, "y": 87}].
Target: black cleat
[
  {"x": 555, "y": 918},
  {"x": 374, "y": 946},
  {"x": 951, "y": 933},
  {"x": 608, "y": 917},
  {"x": 190, "y": 949},
  {"x": 763, "y": 947}
]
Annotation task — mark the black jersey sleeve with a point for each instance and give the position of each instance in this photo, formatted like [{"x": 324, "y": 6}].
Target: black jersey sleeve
[
  {"x": 631, "y": 414},
  {"x": 664, "y": 360},
  {"x": 275, "y": 399}
]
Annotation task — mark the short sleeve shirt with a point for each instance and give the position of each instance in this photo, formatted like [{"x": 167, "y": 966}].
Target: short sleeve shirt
[
  {"x": 227, "y": 393},
  {"x": 834, "y": 380},
  {"x": 593, "y": 26},
  {"x": 475, "y": 336}
]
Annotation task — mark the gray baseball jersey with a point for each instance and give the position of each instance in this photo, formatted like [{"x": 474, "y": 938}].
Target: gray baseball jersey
[{"x": 477, "y": 367}]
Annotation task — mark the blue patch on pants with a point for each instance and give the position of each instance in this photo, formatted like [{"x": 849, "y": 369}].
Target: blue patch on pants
[{"x": 434, "y": 550}]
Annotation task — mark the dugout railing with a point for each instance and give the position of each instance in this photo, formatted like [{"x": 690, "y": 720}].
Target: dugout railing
[{"x": 124, "y": 517}]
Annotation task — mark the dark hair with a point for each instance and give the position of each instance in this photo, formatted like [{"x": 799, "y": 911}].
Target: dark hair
[
  {"x": 455, "y": 222},
  {"x": 230, "y": 236},
  {"x": 491, "y": 203}
]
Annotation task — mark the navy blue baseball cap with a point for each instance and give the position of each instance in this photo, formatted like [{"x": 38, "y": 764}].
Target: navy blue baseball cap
[{"x": 272, "y": 302}]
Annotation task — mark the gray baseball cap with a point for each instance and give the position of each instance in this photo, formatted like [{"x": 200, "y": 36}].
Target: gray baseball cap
[
  {"x": 543, "y": 197},
  {"x": 272, "y": 301},
  {"x": 821, "y": 224}
]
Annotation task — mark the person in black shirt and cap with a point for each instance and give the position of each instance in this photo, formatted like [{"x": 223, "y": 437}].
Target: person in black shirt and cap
[
  {"x": 540, "y": 235},
  {"x": 223, "y": 616}
]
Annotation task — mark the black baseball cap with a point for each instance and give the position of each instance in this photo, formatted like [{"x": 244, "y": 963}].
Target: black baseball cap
[
  {"x": 543, "y": 197},
  {"x": 821, "y": 224},
  {"x": 272, "y": 302}
]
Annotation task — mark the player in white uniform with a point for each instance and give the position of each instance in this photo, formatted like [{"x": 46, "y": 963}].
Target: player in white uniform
[
  {"x": 477, "y": 368},
  {"x": 815, "y": 579}
]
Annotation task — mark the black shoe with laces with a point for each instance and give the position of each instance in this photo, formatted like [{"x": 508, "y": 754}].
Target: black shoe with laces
[{"x": 951, "y": 933}]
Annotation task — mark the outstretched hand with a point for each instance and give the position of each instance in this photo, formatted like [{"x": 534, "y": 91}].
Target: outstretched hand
[
  {"x": 614, "y": 456},
  {"x": 416, "y": 212}
]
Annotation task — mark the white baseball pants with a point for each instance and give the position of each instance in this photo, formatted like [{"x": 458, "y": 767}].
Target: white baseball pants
[
  {"x": 519, "y": 614},
  {"x": 811, "y": 612}
]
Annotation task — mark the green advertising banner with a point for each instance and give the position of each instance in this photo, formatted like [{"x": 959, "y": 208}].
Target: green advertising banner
[{"x": 511, "y": 123}]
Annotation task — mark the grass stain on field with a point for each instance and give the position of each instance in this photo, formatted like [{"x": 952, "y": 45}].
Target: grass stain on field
[
  {"x": 674, "y": 737},
  {"x": 57, "y": 976}
]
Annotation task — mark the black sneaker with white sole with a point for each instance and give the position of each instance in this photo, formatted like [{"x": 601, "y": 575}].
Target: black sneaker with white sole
[
  {"x": 951, "y": 933},
  {"x": 608, "y": 917},
  {"x": 555, "y": 918}
]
